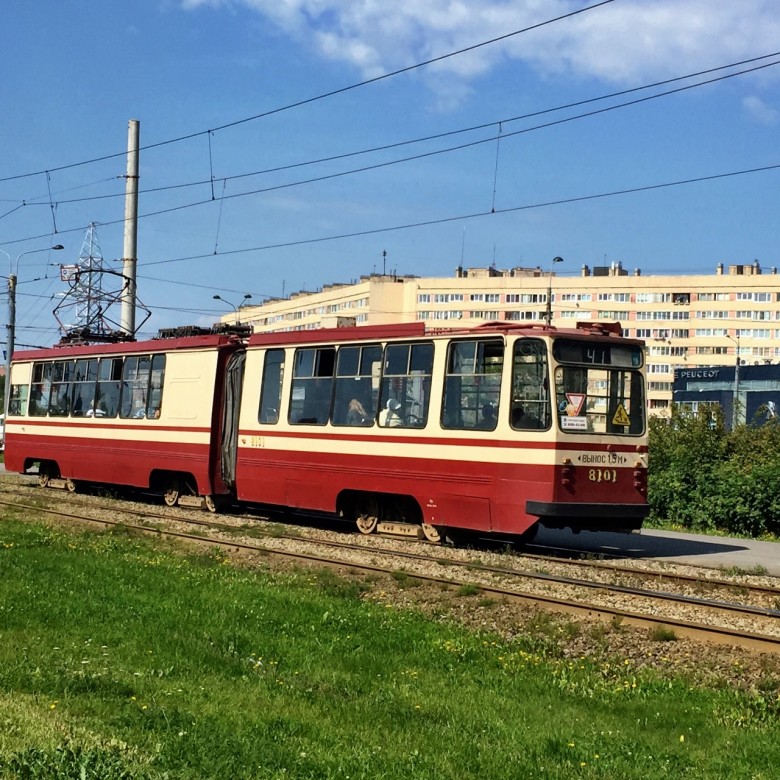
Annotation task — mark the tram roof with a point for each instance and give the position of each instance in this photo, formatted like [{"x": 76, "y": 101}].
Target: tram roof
[
  {"x": 419, "y": 330},
  {"x": 175, "y": 341}
]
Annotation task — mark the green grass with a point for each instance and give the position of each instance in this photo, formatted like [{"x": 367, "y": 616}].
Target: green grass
[{"x": 120, "y": 658}]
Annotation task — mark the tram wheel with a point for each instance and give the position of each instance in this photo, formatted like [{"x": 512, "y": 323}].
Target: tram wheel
[
  {"x": 432, "y": 533},
  {"x": 172, "y": 492},
  {"x": 366, "y": 512},
  {"x": 211, "y": 504},
  {"x": 71, "y": 486},
  {"x": 44, "y": 474}
]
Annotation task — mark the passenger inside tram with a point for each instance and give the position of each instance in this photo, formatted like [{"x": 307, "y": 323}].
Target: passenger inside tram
[
  {"x": 389, "y": 417},
  {"x": 523, "y": 420}
]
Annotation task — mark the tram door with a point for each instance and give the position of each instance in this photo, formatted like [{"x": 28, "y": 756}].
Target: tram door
[{"x": 231, "y": 405}]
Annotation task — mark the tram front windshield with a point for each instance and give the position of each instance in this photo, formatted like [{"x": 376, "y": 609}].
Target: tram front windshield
[{"x": 599, "y": 387}]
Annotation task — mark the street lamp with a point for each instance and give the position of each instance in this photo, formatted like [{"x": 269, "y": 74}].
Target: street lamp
[
  {"x": 13, "y": 270},
  {"x": 548, "y": 318},
  {"x": 735, "y": 403},
  {"x": 235, "y": 308}
]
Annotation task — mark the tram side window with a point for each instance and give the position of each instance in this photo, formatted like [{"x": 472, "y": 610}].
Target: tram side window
[
  {"x": 356, "y": 389},
  {"x": 405, "y": 392},
  {"x": 83, "y": 387},
  {"x": 312, "y": 385},
  {"x": 472, "y": 386},
  {"x": 271, "y": 388},
  {"x": 17, "y": 405},
  {"x": 530, "y": 386},
  {"x": 156, "y": 378},
  {"x": 135, "y": 387},
  {"x": 40, "y": 389},
  {"x": 62, "y": 372},
  {"x": 109, "y": 382}
]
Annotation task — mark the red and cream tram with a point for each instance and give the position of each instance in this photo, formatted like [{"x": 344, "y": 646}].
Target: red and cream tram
[{"x": 402, "y": 429}]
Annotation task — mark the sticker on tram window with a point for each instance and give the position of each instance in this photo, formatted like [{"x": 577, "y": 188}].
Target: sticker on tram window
[
  {"x": 621, "y": 416},
  {"x": 574, "y": 423},
  {"x": 576, "y": 400}
]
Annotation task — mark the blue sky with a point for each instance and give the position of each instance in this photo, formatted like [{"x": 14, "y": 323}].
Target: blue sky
[{"x": 74, "y": 73}]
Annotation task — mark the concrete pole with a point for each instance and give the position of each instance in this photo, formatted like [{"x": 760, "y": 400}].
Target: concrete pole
[
  {"x": 130, "y": 256},
  {"x": 10, "y": 345},
  {"x": 13, "y": 270}
]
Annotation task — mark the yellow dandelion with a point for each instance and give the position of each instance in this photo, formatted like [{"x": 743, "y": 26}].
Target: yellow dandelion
[{"x": 682, "y": 737}]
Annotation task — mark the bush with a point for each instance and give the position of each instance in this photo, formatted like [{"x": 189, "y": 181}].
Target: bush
[{"x": 707, "y": 478}]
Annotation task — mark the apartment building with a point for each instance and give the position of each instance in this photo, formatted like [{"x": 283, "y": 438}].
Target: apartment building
[{"x": 686, "y": 321}]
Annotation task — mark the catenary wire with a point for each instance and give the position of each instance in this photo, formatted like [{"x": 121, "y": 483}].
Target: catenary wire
[
  {"x": 323, "y": 96},
  {"x": 423, "y": 155},
  {"x": 446, "y": 134},
  {"x": 475, "y": 215}
]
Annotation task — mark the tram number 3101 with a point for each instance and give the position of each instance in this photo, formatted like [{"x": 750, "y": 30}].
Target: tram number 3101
[{"x": 602, "y": 475}]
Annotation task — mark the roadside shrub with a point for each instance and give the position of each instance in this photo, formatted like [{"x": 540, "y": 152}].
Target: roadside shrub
[{"x": 704, "y": 477}]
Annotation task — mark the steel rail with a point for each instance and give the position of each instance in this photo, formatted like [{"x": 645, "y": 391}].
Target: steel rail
[
  {"x": 508, "y": 571},
  {"x": 717, "y": 634}
]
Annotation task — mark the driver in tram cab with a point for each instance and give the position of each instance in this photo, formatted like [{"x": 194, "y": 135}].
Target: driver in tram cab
[{"x": 389, "y": 417}]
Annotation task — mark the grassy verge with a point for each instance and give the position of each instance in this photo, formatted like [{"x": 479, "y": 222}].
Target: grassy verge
[{"x": 122, "y": 659}]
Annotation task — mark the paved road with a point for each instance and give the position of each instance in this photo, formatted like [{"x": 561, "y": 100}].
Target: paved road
[{"x": 712, "y": 551}]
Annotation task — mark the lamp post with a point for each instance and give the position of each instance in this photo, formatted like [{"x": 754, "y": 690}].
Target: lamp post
[
  {"x": 235, "y": 308},
  {"x": 735, "y": 403},
  {"x": 548, "y": 317},
  {"x": 13, "y": 270}
]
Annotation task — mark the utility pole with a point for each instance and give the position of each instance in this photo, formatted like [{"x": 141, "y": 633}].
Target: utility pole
[
  {"x": 130, "y": 256},
  {"x": 13, "y": 270},
  {"x": 735, "y": 401},
  {"x": 548, "y": 316}
]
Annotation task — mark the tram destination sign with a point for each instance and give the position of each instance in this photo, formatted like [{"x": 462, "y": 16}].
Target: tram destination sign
[{"x": 596, "y": 353}]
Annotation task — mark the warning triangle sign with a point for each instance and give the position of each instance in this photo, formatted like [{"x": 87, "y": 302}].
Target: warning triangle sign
[
  {"x": 621, "y": 416},
  {"x": 576, "y": 400}
]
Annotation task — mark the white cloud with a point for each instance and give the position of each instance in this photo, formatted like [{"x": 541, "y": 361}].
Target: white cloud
[
  {"x": 622, "y": 42},
  {"x": 758, "y": 110}
]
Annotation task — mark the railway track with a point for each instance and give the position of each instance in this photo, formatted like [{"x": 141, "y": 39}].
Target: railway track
[
  {"x": 597, "y": 573},
  {"x": 723, "y": 620}
]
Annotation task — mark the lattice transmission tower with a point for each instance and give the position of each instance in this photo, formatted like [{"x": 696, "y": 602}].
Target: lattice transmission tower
[{"x": 87, "y": 311}]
